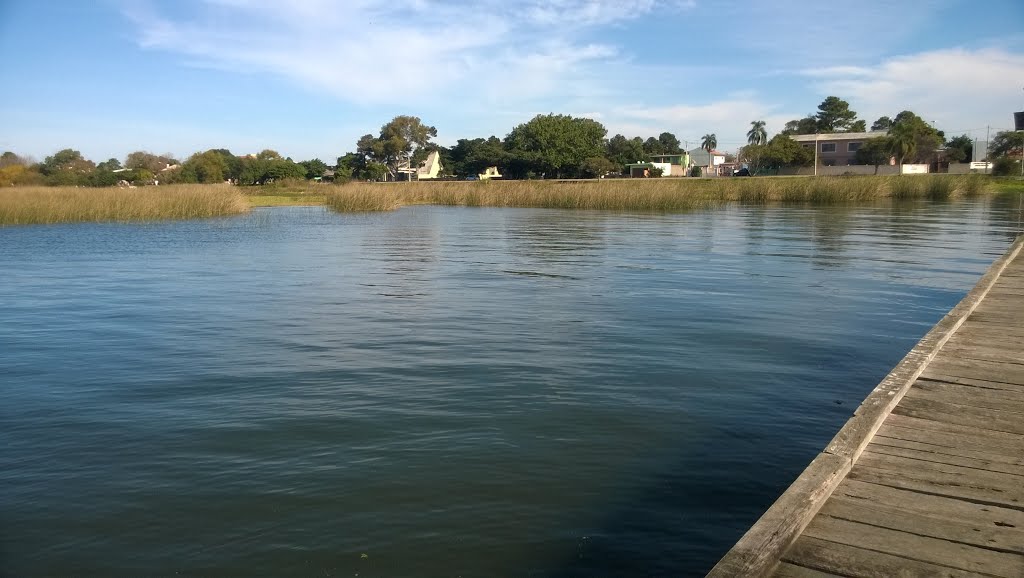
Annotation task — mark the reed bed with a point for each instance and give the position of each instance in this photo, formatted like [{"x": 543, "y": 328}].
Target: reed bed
[
  {"x": 39, "y": 205},
  {"x": 651, "y": 195}
]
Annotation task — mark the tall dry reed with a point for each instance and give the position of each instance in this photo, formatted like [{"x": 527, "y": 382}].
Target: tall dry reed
[
  {"x": 650, "y": 195},
  {"x": 36, "y": 205}
]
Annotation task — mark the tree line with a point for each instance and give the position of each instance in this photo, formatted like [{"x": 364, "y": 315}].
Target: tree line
[{"x": 547, "y": 146}]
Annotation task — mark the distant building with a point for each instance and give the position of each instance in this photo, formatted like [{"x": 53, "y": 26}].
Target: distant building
[
  {"x": 429, "y": 169},
  {"x": 678, "y": 164},
  {"x": 699, "y": 158},
  {"x": 837, "y": 149},
  {"x": 489, "y": 172}
]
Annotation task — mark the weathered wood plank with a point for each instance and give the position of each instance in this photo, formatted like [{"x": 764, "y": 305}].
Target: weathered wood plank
[
  {"x": 916, "y": 547},
  {"x": 982, "y": 418},
  {"x": 848, "y": 560},
  {"x": 918, "y": 451},
  {"x": 996, "y": 438},
  {"x": 971, "y": 391},
  {"x": 979, "y": 383},
  {"x": 983, "y": 353},
  {"x": 987, "y": 370},
  {"x": 972, "y": 397},
  {"x": 988, "y": 537},
  {"x": 787, "y": 570},
  {"x": 938, "y": 507},
  {"x": 931, "y": 441},
  {"x": 941, "y": 484}
]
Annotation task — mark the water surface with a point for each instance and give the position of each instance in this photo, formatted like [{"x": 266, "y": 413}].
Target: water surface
[{"x": 445, "y": 391}]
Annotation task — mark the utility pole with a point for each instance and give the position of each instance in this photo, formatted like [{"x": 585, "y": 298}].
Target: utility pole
[
  {"x": 815, "y": 154},
  {"x": 987, "y": 129}
]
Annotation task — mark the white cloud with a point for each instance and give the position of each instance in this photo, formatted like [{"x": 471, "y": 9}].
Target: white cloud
[
  {"x": 956, "y": 88},
  {"x": 376, "y": 51}
]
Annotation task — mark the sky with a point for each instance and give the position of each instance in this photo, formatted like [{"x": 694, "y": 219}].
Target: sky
[{"x": 309, "y": 77}]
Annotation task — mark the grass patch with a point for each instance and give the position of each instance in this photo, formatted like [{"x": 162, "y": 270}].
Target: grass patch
[
  {"x": 39, "y": 205},
  {"x": 651, "y": 195},
  {"x": 284, "y": 200}
]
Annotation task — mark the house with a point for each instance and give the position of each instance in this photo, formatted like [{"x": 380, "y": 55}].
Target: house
[
  {"x": 489, "y": 172},
  {"x": 699, "y": 157},
  {"x": 837, "y": 149},
  {"x": 641, "y": 170},
  {"x": 429, "y": 169},
  {"x": 678, "y": 164}
]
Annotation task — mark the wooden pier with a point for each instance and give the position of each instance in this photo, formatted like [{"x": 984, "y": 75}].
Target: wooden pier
[{"x": 927, "y": 477}]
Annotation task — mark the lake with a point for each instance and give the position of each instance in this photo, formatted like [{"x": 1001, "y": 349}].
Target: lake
[{"x": 445, "y": 391}]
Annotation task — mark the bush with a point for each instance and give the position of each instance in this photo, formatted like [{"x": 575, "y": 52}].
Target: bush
[
  {"x": 695, "y": 171},
  {"x": 1005, "y": 167}
]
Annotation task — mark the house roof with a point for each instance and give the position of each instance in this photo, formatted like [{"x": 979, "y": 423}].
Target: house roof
[
  {"x": 838, "y": 136},
  {"x": 714, "y": 152}
]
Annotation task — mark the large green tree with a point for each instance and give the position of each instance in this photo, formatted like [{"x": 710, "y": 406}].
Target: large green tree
[
  {"x": 874, "y": 151},
  {"x": 670, "y": 145},
  {"x": 834, "y": 115},
  {"x": 401, "y": 142},
  {"x": 146, "y": 160},
  {"x": 757, "y": 134},
  {"x": 805, "y": 125},
  {"x": 555, "y": 145},
  {"x": 960, "y": 148},
  {"x": 623, "y": 151},
  {"x": 883, "y": 123},
  {"x": 653, "y": 146},
  {"x": 1006, "y": 144}
]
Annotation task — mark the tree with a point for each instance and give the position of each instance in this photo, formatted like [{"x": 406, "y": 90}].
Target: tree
[
  {"x": 623, "y": 151},
  {"x": 669, "y": 144},
  {"x": 66, "y": 167},
  {"x": 883, "y": 123},
  {"x": 1006, "y": 143},
  {"x": 757, "y": 135},
  {"x": 926, "y": 140},
  {"x": 834, "y": 115},
  {"x": 874, "y": 151},
  {"x": 959, "y": 148},
  {"x": 805, "y": 125},
  {"x": 149, "y": 161},
  {"x": 314, "y": 168},
  {"x": 859, "y": 126},
  {"x": 783, "y": 151},
  {"x": 109, "y": 165},
  {"x": 555, "y": 145},
  {"x": 9, "y": 159},
  {"x": 708, "y": 142},
  {"x": 755, "y": 156},
  {"x": 653, "y": 146},
  {"x": 596, "y": 167},
  {"x": 401, "y": 142},
  {"x": 902, "y": 143}
]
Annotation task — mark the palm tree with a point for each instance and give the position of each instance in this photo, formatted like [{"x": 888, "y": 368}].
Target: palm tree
[
  {"x": 902, "y": 144},
  {"x": 708, "y": 142},
  {"x": 757, "y": 134}
]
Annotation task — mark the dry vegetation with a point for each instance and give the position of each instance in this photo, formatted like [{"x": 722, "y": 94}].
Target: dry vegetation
[
  {"x": 33, "y": 205},
  {"x": 28, "y": 205},
  {"x": 654, "y": 195}
]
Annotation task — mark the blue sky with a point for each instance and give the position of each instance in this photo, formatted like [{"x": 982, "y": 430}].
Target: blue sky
[{"x": 308, "y": 77}]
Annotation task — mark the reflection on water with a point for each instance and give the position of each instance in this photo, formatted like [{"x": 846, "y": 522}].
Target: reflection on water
[{"x": 445, "y": 391}]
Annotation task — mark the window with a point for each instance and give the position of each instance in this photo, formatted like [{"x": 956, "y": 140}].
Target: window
[
  {"x": 853, "y": 147},
  {"x": 828, "y": 147}
]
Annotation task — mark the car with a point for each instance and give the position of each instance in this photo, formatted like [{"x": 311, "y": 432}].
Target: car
[{"x": 741, "y": 173}]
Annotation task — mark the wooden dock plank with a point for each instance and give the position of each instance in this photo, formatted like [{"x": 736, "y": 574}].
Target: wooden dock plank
[
  {"x": 846, "y": 560},
  {"x": 934, "y": 506},
  {"x": 915, "y": 547},
  {"x": 913, "y": 450},
  {"x": 962, "y": 395},
  {"x": 989, "y": 419},
  {"x": 987, "y": 537},
  {"x": 939, "y": 484},
  {"x": 787, "y": 570}
]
